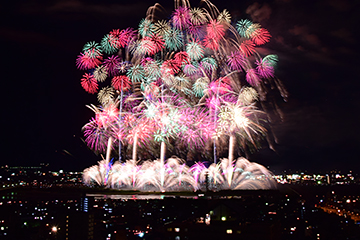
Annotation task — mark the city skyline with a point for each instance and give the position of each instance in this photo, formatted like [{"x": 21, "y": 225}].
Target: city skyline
[{"x": 45, "y": 116}]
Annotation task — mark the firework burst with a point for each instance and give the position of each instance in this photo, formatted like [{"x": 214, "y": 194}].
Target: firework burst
[
  {"x": 88, "y": 60},
  {"x": 195, "y": 50},
  {"x": 89, "y": 83},
  {"x": 181, "y": 17},
  {"x": 136, "y": 73},
  {"x": 146, "y": 28},
  {"x": 100, "y": 73},
  {"x": 109, "y": 44},
  {"x": 106, "y": 95},
  {"x": 121, "y": 83},
  {"x": 112, "y": 64},
  {"x": 161, "y": 27},
  {"x": 224, "y": 17},
  {"x": 198, "y": 16},
  {"x": 174, "y": 39},
  {"x": 242, "y": 26}
]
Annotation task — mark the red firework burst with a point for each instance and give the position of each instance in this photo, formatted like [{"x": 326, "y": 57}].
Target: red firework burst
[
  {"x": 261, "y": 36},
  {"x": 142, "y": 131},
  {"x": 88, "y": 60},
  {"x": 247, "y": 47},
  {"x": 158, "y": 41},
  {"x": 121, "y": 81},
  {"x": 181, "y": 57},
  {"x": 89, "y": 83},
  {"x": 170, "y": 67}
]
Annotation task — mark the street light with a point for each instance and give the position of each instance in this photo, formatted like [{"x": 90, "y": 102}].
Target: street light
[{"x": 54, "y": 229}]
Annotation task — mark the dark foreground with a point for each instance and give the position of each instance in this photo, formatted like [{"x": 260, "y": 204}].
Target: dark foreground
[{"x": 291, "y": 212}]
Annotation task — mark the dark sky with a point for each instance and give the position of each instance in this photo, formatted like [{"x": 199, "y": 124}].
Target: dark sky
[{"x": 44, "y": 105}]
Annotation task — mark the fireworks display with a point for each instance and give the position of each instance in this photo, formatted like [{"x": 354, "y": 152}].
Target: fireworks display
[{"x": 190, "y": 85}]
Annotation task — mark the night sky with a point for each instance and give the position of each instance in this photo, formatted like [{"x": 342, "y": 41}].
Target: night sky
[{"x": 44, "y": 104}]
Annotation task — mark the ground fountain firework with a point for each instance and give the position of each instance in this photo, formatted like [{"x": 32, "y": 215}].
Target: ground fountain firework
[
  {"x": 238, "y": 175},
  {"x": 194, "y": 86}
]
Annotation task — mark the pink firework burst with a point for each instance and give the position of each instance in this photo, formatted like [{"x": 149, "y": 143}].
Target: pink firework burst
[
  {"x": 247, "y": 47},
  {"x": 252, "y": 78},
  {"x": 260, "y": 36},
  {"x": 204, "y": 123},
  {"x": 106, "y": 117},
  {"x": 96, "y": 137},
  {"x": 129, "y": 34},
  {"x": 215, "y": 30},
  {"x": 213, "y": 102},
  {"x": 89, "y": 83},
  {"x": 120, "y": 38},
  {"x": 190, "y": 134},
  {"x": 193, "y": 138},
  {"x": 236, "y": 60},
  {"x": 121, "y": 83},
  {"x": 208, "y": 130},
  {"x": 221, "y": 86},
  {"x": 88, "y": 60},
  {"x": 181, "y": 17},
  {"x": 112, "y": 64},
  {"x": 197, "y": 127},
  {"x": 146, "y": 61},
  {"x": 264, "y": 69}
]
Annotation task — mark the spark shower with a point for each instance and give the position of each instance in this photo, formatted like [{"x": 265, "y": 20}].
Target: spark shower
[{"x": 193, "y": 85}]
